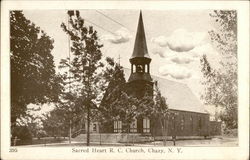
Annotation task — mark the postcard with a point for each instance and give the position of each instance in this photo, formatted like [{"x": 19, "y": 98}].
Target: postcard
[{"x": 124, "y": 80}]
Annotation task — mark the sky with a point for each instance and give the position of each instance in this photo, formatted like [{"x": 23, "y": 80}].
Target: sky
[{"x": 176, "y": 39}]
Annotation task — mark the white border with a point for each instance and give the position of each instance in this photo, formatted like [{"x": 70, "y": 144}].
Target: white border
[{"x": 240, "y": 152}]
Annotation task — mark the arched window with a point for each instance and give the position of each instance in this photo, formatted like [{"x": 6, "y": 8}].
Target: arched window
[
  {"x": 117, "y": 126},
  {"x": 200, "y": 124},
  {"x": 192, "y": 123},
  {"x": 146, "y": 125},
  {"x": 139, "y": 68},
  {"x": 133, "y": 126},
  {"x": 173, "y": 123},
  {"x": 182, "y": 122},
  {"x": 94, "y": 127}
]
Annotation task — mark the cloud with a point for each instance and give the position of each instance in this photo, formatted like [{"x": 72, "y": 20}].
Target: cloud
[
  {"x": 121, "y": 36},
  {"x": 180, "y": 40},
  {"x": 181, "y": 59},
  {"x": 175, "y": 71},
  {"x": 160, "y": 52},
  {"x": 163, "y": 52},
  {"x": 161, "y": 41}
]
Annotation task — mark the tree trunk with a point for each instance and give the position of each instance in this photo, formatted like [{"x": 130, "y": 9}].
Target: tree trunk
[
  {"x": 165, "y": 128},
  {"x": 162, "y": 129},
  {"x": 88, "y": 124},
  {"x": 69, "y": 131},
  {"x": 128, "y": 134}
]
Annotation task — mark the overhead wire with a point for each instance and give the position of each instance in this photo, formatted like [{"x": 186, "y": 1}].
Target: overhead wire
[
  {"x": 113, "y": 20},
  {"x": 98, "y": 26}
]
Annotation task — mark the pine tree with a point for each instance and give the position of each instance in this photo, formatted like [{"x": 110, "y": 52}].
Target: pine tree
[{"x": 86, "y": 60}]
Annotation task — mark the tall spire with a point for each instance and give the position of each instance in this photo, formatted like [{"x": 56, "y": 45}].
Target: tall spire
[
  {"x": 140, "y": 47},
  {"x": 140, "y": 58}
]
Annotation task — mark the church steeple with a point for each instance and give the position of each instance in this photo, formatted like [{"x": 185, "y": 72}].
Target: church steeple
[
  {"x": 140, "y": 58},
  {"x": 140, "y": 47}
]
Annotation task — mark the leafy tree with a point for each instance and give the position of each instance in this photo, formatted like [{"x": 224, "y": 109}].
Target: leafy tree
[
  {"x": 86, "y": 60},
  {"x": 33, "y": 77},
  {"x": 125, "y": 109},
  {"x": 41, "y": 133},
  {"x": 156, "y": 109},
  {"x": 113, "y": 82},
  {"x": 117, "y": 104},
  {"x": 221, "y": 83},
  {"x": 54, "y": 123},
  {"x": 66, "y": 114},
  {"x": 22, "y": 133}
]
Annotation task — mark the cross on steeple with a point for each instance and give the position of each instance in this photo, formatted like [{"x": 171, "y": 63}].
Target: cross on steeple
[{"x": 119, "y": 58}]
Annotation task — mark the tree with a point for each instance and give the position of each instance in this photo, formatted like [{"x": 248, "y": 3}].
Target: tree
[
  {"x": 221, "y": 83},
  {"x": 33, "y": 77},
  {"x": 160, "y": 111},
  {"x": 54, "y": 123},
  {"x": 113, "y": 82},
  {"x": 86, "y": 60},
  {"x": 155, "y": 108},
  {"x": 118, "y": 105},
  {"x": 67, "y": 113},
  {"x": 126, "y": 109},
  {"x": 30, "y": 124}
]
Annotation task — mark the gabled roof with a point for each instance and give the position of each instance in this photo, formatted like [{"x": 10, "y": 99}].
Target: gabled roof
[
  {"x": 179, "y": 96},
  {"x": 140, "y": 46}
]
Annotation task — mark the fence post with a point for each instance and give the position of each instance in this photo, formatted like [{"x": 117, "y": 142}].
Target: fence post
[
  {"x": 133, "y": 139},
  {"x": 15, "y": 139},
  {"x": 100, "y": 139},
  {"x": 174, "y": 138},
  {"x": 154, "y": 140}
]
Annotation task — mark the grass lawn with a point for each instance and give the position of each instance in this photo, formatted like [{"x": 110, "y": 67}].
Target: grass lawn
[
  {"x": 44, "y": 140},
  {"x": 184, "y": 143}
]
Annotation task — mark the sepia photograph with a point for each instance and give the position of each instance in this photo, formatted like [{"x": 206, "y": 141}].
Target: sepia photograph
[
  {"x": 87, "y": 77},
  {"x": 137, "y": 79}
]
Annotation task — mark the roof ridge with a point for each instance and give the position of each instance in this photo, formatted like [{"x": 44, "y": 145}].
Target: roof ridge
[{"x": 162, "y": 78}]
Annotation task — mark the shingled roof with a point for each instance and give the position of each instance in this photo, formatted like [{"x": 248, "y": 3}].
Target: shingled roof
[{"x": 179, "y": 96}]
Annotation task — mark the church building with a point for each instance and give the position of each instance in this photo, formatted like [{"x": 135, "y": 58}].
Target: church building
[{"x": 188, "y": 116}]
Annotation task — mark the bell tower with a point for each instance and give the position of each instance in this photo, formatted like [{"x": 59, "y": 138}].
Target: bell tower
[{"x": 140, "y": 60}]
